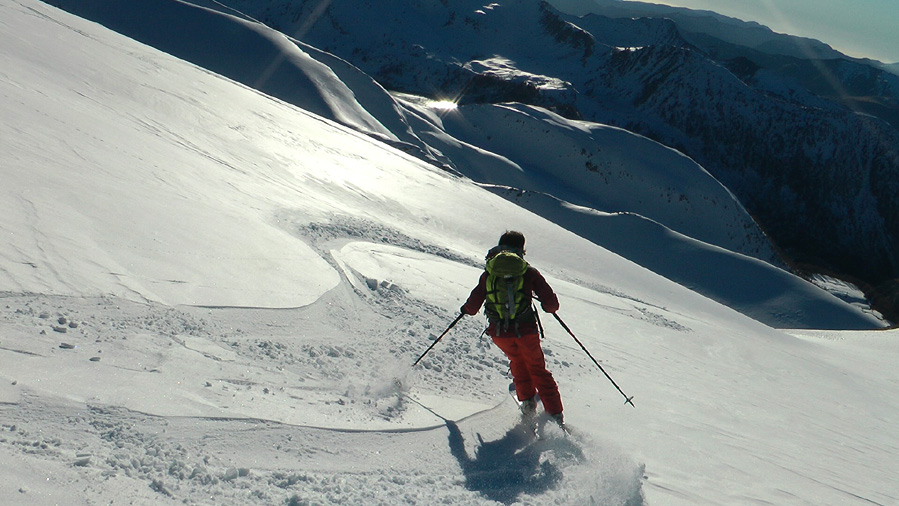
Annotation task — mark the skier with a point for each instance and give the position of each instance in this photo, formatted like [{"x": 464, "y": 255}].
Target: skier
[{"x": 507, "y": 285}]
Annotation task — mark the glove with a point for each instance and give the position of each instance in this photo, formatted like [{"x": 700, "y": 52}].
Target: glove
[{"x": 464, "y": 311}]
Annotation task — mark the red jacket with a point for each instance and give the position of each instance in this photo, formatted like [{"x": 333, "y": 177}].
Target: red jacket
[{"x": 534, "y": 283}]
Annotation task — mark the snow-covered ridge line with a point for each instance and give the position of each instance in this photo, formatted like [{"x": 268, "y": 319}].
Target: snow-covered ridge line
[
  {"x": 579, "y": 162},
  {"x": 735, "y": 110}
]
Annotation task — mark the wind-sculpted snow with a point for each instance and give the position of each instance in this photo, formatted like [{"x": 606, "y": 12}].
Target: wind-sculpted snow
[
  {"x": 704, "y": 267},
  {"x": 785, "y": 135},
  {"x": 351, "y": 228},
  {"x": 236, "y": 46},
  {"x": 592, "y": 165},
  {"x": 256, "y": 56},
  {"x": 608, "y": 169}
]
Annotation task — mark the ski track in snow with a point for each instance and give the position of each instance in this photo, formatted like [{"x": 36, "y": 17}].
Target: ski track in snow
[
  {"x": 263, "y": 462},
  {"x": 238, "y": 451}
]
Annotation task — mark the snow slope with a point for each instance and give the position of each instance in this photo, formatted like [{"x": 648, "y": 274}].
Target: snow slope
[
  {"x": 210, "y": 296},
  {"x": 528, "y": 148},
  {"x": 755, "y": 288},
  {"x": 739, "y": 121}
]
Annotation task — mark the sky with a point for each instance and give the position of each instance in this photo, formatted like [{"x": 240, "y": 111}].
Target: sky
[{"x": 864, "y": 28}]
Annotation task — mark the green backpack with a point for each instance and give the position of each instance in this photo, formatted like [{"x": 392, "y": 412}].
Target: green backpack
[{"x": 506, "y": 300}]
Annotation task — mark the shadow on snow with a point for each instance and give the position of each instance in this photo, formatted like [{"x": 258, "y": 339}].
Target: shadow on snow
[{"x": 515, "y": 464}]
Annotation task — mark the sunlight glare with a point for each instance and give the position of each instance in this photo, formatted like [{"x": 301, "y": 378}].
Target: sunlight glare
[{"x": 443, "y": 105}]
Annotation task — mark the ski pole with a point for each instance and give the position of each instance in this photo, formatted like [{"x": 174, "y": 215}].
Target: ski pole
[
  {"x": 627, "y": 400},
  {"x": 439, "y": 338},
  {"x": 539, "y": 323}
]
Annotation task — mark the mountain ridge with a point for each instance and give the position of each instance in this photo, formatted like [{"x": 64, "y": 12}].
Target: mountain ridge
[
  {"x": 673, "y": 202},
  {"x": 741, "y": 127}
]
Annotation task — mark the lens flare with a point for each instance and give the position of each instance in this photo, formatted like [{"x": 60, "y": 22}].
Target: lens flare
[{"x": 443, "y": 105}]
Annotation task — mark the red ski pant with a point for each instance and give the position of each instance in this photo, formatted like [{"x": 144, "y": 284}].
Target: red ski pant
[{"x": 529, "y": 372}]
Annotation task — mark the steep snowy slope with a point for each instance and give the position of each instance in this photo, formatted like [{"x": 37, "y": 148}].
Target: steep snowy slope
[
  {"x": 519, "y": 146},
  {"x": 826, "y": 200},
  {"x": 608, "y": 169},
  {"x": 138, "y": 177},
  {"x": 766, "y": 293}
]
